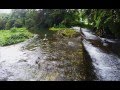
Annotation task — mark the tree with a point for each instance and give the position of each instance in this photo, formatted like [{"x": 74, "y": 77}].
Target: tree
[
  {"x": 107, "y": 21},
  {"x": 50, "y": 17},
  {"x": 18, "y": 23}
]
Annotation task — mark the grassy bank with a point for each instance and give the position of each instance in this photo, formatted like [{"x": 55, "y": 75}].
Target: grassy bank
[
  {"x": 65, "y": 32},
  {"x": 13, "y": 36}
]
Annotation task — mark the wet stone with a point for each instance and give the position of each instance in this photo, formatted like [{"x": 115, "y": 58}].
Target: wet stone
[{"x": 44, "y": 60}]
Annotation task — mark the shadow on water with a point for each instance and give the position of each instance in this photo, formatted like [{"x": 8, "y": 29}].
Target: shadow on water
[
  {"x": 89, "y": 68},
  {"x": 103, "y": 56}
]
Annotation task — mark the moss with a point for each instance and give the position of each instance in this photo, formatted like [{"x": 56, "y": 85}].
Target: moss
[
  {"x": 65, "y": 32},
  {"x": 56, "y": 29}
]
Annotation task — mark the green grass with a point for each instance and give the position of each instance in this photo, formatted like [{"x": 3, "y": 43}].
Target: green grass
[
  {"x": 13, "y": 36},
  {"x": 65, "y": 32}
]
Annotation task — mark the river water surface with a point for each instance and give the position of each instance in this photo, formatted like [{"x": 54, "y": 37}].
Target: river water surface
[
  {"x": 61, "y": 59},
  {"x": 38, "y": 59},
  {"x": 104, "y": 55}
]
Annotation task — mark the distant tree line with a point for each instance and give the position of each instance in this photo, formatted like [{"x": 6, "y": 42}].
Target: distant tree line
[
  {"x": 37, "y": 18},
  {"x": 105, "y": 22}
]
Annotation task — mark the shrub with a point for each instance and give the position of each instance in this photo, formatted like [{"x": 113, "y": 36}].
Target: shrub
[{"x": 13, "y": 36}]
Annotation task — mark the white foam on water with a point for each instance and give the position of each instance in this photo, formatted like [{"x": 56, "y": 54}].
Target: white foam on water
[{"x": 106, "y": 65}]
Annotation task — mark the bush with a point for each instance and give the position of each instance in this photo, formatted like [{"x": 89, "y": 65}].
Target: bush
[
  {"x": 13, "y": 36},
  {"x": 13, "y": 29},
  {"x": 18, "y": 23}
]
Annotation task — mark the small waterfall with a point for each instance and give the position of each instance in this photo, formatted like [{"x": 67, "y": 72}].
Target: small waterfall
[{"x": 106, "y": 65}]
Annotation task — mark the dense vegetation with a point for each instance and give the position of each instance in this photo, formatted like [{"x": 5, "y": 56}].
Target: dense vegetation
[
  {"x": 14, "y": 35},
  {"x": 34, "y": 20},
  {"x": 105, "y": 22}
]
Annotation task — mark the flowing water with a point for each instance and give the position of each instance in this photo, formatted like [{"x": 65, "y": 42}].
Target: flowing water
[
  {"x": 42, "y": 59},
  {"x": 61, "y": 59},
  {"x": 104, "y": 55}
]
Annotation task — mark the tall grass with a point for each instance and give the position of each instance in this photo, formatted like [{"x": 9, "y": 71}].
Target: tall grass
[{"x": 13, "y": 36}]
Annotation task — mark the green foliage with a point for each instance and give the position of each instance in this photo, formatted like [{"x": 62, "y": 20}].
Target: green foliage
[
  {"x": 65, "y": 32},
  {"x": 59, "y": 26},
  {"x": 18, "y": 23},
  {"x": 38, "y": 18},
  {"x": 2, "y": 24},
  {"x": 57, "y": 17},
  {"x": 8, "y": 25},
  {"x": 106, "y": 21},
  {"x": 13, "y": 36},
  {"x": 11, "y": 30},
  {"x": 69, "y": 33},
  {"x": 29, "y": 23}
]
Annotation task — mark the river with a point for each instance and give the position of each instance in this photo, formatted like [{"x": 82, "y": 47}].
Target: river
[
  {"x": 37, "y": 59},
  {"x": 61, "y": 59},
  {"x": 104, "y": 54}
]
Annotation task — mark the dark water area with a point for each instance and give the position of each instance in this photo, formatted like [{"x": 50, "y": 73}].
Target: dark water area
[{"x": 89, "y": 68}]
